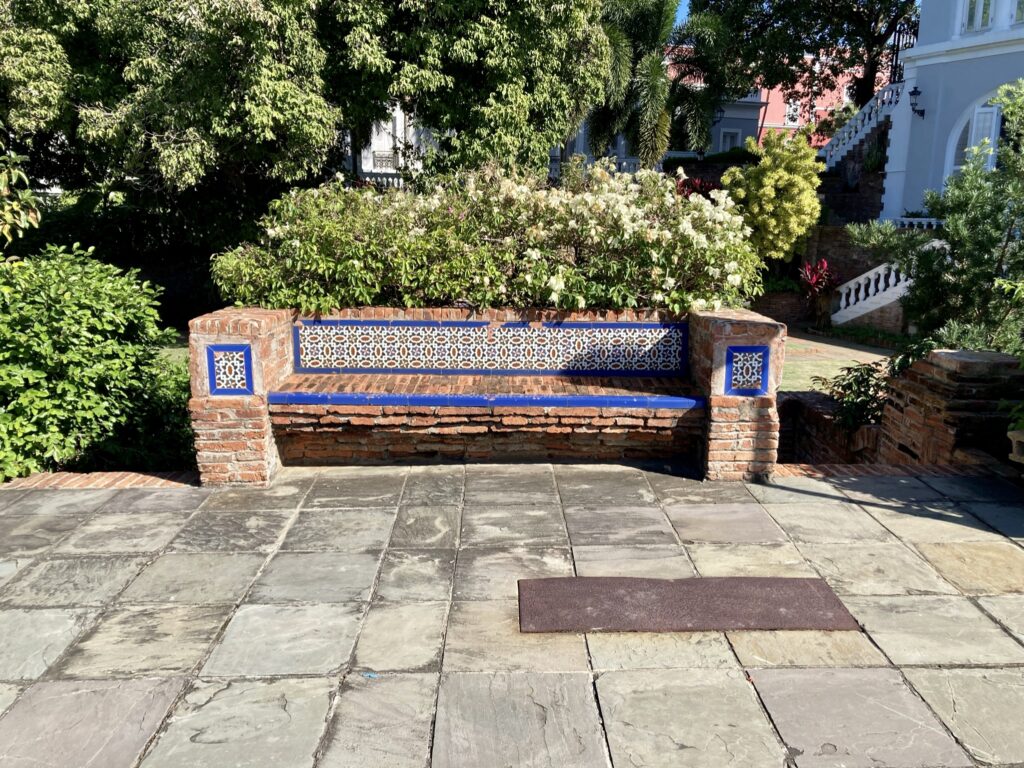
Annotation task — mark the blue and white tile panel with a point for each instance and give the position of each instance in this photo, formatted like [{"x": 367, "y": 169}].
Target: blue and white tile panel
[
  {"x": 350, "y": 346},
  {"x": 746, "y": 371},
  {"x": 230, "y": 369}
]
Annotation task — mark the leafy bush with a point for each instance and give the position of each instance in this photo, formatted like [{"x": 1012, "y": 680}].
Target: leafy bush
[
  {"x": 860, "y": 390},
  {"x": 488, "y": 238},
  {"x": 778, "y": 196},
  {"x": 962, "y": 271},
  {"x": 78, "y": 358},
  {"x": 686, "y": 186}
]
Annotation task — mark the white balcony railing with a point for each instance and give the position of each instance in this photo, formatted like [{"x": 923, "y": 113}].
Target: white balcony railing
[
  {"x": 872, "y": 290},
  {"x": 907, "y": 222},
  {"x": 861, "y": 124}
]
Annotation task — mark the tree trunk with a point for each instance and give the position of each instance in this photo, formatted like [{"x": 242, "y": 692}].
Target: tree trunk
[{"x": 864, "y": 85}]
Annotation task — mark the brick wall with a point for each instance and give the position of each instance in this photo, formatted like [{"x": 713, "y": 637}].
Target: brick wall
[
  {"x": 846, "y": 259},
  {"x": 376, "y": 435},
  {"x": 888, "y": 318},
  {"x": 743, "y": 431},
  {"x": 234, "y": 441},
  {"x": 785, "y": 306},
  {"x": 810, "y": 433},
  {"x": 946, "y": 408}
]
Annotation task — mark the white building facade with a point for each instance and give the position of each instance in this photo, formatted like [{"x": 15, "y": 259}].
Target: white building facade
[{"x": 966, "y": 49}]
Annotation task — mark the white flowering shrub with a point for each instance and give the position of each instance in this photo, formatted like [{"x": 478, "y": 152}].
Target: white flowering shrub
[{"x": 489, "y": 238}]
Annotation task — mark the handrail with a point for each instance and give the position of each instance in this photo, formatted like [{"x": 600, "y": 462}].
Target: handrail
[
  {"x": 914, "y": 222},
  {"x": 875, "y": 288},
  {"x": 858, "y": 126}
]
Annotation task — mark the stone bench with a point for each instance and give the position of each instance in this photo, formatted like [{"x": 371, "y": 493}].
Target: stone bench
[{"x": 385, "y": 385}]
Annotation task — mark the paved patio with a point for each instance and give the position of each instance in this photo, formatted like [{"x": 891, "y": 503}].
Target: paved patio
[{"x": 367, "y": 617}]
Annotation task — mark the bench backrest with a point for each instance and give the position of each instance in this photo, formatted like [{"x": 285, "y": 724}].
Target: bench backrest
[{"x": 496, "y": 348}]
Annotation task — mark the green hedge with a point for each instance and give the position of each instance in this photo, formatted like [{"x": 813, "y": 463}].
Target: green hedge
[{"x": 79, "y": 369}]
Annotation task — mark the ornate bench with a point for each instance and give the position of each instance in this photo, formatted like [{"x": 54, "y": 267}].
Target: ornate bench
[{"x": 384, "y": 385}]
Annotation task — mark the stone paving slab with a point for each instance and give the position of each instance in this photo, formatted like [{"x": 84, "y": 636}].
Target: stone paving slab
[
  {"x": 356, "y": 488},
  {"x": 245, "y": 724},
  {"x": 10, "y": 566},
  {"x": 9, "y": 496},
  {"x": 989, "y": 489},
  {"x": 32, "y": 534},
  {"x": 156, "y": 641},
  {"x": 848, "y": 718},
  {"x": 87, "y": 724},
  {"x": 979, "y": 568},
  {"x": 513, "y": 526},
  {"x": 602, "y": 487},
  {"x": 231, "y": 530},
  {"x": 934, "y": 630},
  {"x": 876, "y": 568},
  {"x": 795, "y": 490},
  {"x": 8, "y": 693},
  {"x": 659, "y": 650},
  {"x": 143, "y": 532},
  {"x": 524, "y": 720},
  {"x": 1008, "y": 610},
  {"x": 1008, "y": 519},
  {"x": 135, "y": 500},
  {"x": 492, "y": 574},
  {"x": 412, "y": 575},
  {"x": 887, "y": 490},
  {"x": 284, "y": 495},
  {"x": 340, "y": 530},
  {"x": 76, "y": 503},
  {"x": 398, "y": 637},
  {"x": 504, "y": 484},
  {"x": 196, "y": 578},
  {"x": 32, "y": 640},
  {"x": 931, "y": 522},
  {"x": 807, "y": 648},
  {"x": 668, "y": 561},
  {"x": 723, "y": 725},
  {"x": 618, "y": 525},
  {"x": 724, "y": 523},
  {"x": 282, "y": 640},
  {"x": 382, "y": 721},
  {"x": 432, "y": 486},
  {"x": 435, "y": 527},
  {"x": 484, "y": 636},
  {"x": 681, "y": 491},
  {"x": 75, "y": 581},
  {"x": 827, "y": 522},
  {"x": 612, "y": 525},
  {"x": 982, "y": 707},
  {"x": 316, "y": 577},
  {"x": 783, "y": 560}
]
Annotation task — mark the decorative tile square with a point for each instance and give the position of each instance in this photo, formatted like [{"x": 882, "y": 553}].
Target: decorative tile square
[
  {"x": 746, "y": 371},
  {"x": 230, "y": 367}
]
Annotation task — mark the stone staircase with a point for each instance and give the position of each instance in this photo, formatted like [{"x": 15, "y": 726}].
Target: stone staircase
[
  {"x": 854, "y": 133},
  {"x": 879, "y": 287}
]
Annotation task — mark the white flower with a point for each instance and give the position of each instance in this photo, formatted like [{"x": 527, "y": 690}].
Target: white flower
[{"x": 734, "y": 280}]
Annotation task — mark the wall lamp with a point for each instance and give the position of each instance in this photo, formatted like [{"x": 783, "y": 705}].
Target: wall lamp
[{"x": 915, "y": 94}]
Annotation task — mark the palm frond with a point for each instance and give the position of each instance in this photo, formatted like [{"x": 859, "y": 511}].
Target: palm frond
[
  {"x": 620, "y": 65},
  {"x": 651, "y": 86}
]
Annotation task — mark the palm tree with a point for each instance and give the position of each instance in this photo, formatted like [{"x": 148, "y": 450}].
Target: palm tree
[{"x": 637, "y": 88}]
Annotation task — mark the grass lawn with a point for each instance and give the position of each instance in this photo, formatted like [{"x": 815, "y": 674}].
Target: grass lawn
[
  {"x": 178, "y": 351},
  {"x": 808, "y": 356}
]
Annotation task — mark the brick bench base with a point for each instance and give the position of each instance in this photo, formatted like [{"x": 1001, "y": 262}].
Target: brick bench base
[{"x": 363, "y": 434}]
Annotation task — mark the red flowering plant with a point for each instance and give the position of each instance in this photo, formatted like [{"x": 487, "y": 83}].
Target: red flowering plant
[
  {"x": 819, "y": 281},
  {"x": 685, "y": 187}
]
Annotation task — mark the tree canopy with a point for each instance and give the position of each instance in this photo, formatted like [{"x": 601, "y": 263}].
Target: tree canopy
[{"x": 728, "y": 47}]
